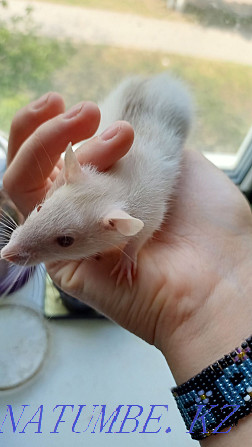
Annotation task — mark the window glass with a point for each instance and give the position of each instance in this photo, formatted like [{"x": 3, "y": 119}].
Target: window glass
[{"x": 83, "y": 48}]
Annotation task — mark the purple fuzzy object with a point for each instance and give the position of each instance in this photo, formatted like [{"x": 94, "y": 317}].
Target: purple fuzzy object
[{"x": 14, "y": 277}]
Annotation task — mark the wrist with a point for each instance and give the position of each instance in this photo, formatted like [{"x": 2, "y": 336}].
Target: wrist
[
  {"x": 215, "y": 328},
  {"x": 219, "y": 396}
]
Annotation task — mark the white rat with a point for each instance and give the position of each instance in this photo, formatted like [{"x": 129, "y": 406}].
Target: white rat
[{"x": 93, "y": 212}]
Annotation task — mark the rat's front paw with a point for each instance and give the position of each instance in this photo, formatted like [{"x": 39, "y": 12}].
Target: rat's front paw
[{"x": 126, "y": 266}]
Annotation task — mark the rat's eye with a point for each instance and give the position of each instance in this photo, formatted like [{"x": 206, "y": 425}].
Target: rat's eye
[{"x": 65, "y": 241}]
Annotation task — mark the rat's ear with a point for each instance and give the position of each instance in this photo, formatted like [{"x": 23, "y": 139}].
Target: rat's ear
[
  {"x": 122, "y": 222},
  {"x": 72, "y": 168}
]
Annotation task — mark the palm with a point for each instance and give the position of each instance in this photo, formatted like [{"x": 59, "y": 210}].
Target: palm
[{"x": 185, "y": 256}]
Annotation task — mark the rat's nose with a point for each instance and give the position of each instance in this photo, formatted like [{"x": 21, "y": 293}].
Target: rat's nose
[{"x": 12, "y": 254}]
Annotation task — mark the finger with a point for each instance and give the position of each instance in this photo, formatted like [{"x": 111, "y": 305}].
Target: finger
[
  {"x": 105, "y": 149},
  {"x": 30, "y": 117},
  {"x": 55, "y": 173},
  {"x": 38, "y": 155}
]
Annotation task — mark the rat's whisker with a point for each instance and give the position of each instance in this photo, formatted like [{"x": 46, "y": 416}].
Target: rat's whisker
[
  {"x": 9, "y": 217},
  {"x": 37, "y": 271},
  {"x": 5, "y": 237},
  {"x": 4, "y": 240},
  {"x": 118, "y": 248},
  {"x": 32, "y": 270},
  {"x": 3, "y": 243},
  {"x": 6, "y": 230},
  {"x": 6, "y": 224},
  {"x": 42, "y": 267},
  {"x": 5, "y": 234},
  {"x": 12, "y": 278},
  {"x": 45, "y": 151},
  {"x": 42, "y": 175},
  {"x": 6, "y": 227},
  {"x": 33, "y": 274}
]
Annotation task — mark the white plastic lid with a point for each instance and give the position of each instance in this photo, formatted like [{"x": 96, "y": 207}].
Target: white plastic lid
[{"x": 23, "y": 344}]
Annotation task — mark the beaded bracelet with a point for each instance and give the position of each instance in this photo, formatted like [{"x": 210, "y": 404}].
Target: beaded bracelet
[{"x": 219, "y": 396}]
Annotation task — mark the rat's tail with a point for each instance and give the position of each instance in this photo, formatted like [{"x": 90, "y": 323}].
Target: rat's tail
[{"x": 161, "y": 98}]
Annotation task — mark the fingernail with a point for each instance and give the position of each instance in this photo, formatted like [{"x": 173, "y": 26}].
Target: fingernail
[
  {"x": 41, "y": 101},
  {"x": 71, "y": 113},
  {"x": 110, "y": 133}
]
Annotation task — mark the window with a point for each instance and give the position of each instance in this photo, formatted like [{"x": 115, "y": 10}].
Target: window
[{"x": 82, "y": 49}]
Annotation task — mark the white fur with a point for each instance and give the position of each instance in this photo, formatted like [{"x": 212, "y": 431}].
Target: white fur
[{"x": 141, "y": 184}]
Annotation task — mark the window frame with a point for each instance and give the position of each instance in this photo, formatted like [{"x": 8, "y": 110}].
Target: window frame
[{"x": 237, "y": 166}]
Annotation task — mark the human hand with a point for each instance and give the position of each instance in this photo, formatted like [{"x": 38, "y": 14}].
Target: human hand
[
  {"x": 41, "y": 131},
  {"x": 191, "y": 277}
]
